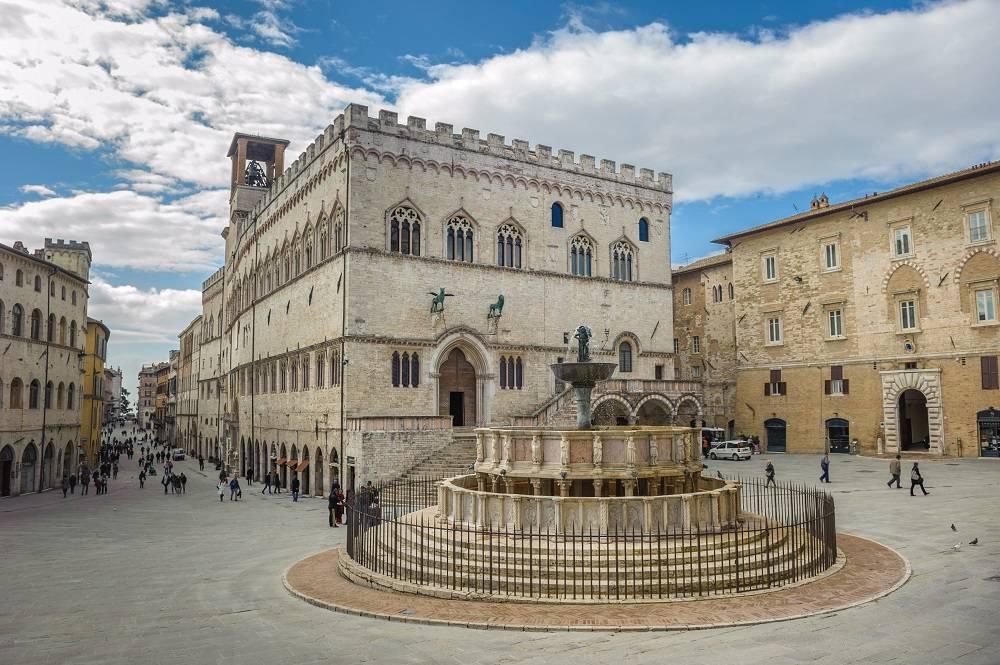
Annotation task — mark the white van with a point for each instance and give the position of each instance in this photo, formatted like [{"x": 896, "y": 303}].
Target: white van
[{"x": 178, "y": 454}]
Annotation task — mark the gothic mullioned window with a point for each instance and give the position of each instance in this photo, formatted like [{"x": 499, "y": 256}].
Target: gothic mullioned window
[
  {"x": 320, "y": 369},
  {"x": 510, "y": 246},
  {"x": 338, "y": 233},
  {"x": 459, "y": 239},
  {"x": 404, "y": 231},
  {"x": 17, "y": 320},
  {"x": 622, "y": 260},
  {"x": 511, "y": 373},
  {"x": 324, "y": 241},
  {"x": 581, "y": 256},
  {"x": 625, "y": 357},
  {"x": 405, "y": 370}
]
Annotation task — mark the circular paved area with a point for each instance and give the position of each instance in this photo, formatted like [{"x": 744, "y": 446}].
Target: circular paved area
[{"x": 871, "y": 571}]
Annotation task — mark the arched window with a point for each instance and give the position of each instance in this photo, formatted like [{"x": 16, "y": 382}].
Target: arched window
[
  {"x": 557, "y": 215},
  {"x": 17, "y": 320},
  {"x": 60, "y": 395},
  {"x": 297, "y": 258},
  {"x": 62, "y": 291},
  {"x": 74, "y": 296},
  {"x": 308, "y": 238},
  {"x": 16, "y": 400},
  {"x": 414, "y": 370},
  {"x": 324, "y": 241},
  {"x": 395, "y": 369},
  {"x": 36, "y": 324},
  {"x": 686, "y": 296},
  {"x": 50, "y": 330},
  {"x": 625, "y": 357},
  {"x": 459, "y": 239},
  {"x": 70, "y": 396},
  {"x": 643, "y": 230},
  {"x": 305, "y": 372},
  {"x": 510, "y": 373},
  {"x": 404, "y": 366},
  {"x": 510, "y": 246},
  {"x": 52, "y": 289},
  {"x": 622, "y": 259},
  {"x": 38, "y": 283},
  {"x": 581, "y": 256},
  {"x": 335, "y": 368},
  {"x": 404, "y": 231},
  {"x": 284, "y": 376},
  {"x": 48, "y": 395},
  {"x": 33, "y": 389},
  {"x": 731, "y": 291},
  {"x": 503, "y": 372},
  {"x": 2, "y": 310},
  {"x": 19, "y": 278},
  {"x": 519, "y": 373},
  {"x": 338, "y": 233},
  {"x": 72, "y": 333},
  {"x": 320, "y": 369}
]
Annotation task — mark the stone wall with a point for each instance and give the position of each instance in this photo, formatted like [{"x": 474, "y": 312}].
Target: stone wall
[{"x": 385, "y": 455}]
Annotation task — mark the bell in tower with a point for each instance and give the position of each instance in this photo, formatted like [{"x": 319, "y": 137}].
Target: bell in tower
[{"x": 256, "y": 161}]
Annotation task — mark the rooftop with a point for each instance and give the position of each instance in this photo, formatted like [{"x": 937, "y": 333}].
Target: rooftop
[{"x": 707, "y": 262}]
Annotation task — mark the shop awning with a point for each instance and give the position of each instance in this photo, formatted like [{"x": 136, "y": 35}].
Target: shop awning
[
  {"x": 292, "y": 463},
  {"x": 303, "y": 465},
  {"x": 280, "y": 461}
]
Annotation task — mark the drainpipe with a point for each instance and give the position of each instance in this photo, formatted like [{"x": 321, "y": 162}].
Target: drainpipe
[
  {"x": 343, "y": 311},
  {"x": 45, "y": 383}
]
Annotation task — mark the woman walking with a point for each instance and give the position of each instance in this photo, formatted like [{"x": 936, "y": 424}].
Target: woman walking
[{"x": 917, "y": 480}]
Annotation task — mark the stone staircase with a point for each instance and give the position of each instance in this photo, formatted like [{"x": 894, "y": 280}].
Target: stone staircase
[{"x": 452, "y": 460}]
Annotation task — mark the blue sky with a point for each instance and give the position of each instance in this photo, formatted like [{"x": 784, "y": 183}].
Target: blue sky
[{"x": 115, "y": 114}]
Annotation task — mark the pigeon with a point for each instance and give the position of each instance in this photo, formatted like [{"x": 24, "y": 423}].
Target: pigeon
[
  {"x": 956, "y": 547},
  {"x": 974, "y": 541},
  {"x": 954, "y": 528},
  {"x": 719, "y": 474}
]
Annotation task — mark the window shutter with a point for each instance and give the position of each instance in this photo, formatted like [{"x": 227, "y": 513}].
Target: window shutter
[
  {"x": 775, "y": 375},
  {"x": 837, "y": 372},
  {"x": 847, "y": 386},
  {"x": 994, "y": 374},
  {"x": 767, "y": 389},
  {"x": 826, "y": 387},
  {"x": 782, "y": 390},
  {"x": 991, "y": 380}
]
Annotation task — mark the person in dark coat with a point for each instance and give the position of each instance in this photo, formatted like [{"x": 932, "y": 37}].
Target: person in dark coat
[
  {"x": 331, "y": 508},
  {"x": 769, "y": 470},
  {"x": 267, "y": 483},
  {"x": 72, "y": 483},
  {"x": 65, "y": 486},
  {"x": 142, "y": 478},
  {"x": 917, "y": 480},
  {"x": 184, "y": 482},
  {"x": 338, "y": 507},
  {"x": 295, "y": 488}
]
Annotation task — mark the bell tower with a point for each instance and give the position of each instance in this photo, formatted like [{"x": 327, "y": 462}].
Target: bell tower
[{"x": 256, "y": 161}]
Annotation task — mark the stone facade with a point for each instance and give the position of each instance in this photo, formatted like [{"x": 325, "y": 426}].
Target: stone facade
[
  {"x": 188, "y": 372},
  {"x": 327, "y": 270},
  {"x": 92, "y": 388},
  {"x": 705, "y": 336},
  {"x": 146, "y": 396},
  {"x": 874, "y": 320},
  {"x": 43, "y": 314}
]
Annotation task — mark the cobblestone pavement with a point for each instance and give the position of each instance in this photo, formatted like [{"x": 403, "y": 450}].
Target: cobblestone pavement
[{"x": 139, "y": 577}]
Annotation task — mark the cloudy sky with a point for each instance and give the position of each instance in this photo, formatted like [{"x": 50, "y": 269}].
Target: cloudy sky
[{"x": 115, "y": 115}]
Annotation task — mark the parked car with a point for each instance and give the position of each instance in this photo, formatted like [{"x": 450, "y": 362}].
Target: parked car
[
  {"x": 734, "y": 450},
  {"x": 178, "y": 454}
]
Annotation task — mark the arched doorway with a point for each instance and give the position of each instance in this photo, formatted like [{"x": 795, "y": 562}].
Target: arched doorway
[
  {"x": 989, "y": 432},
  {"x": 653, "y": 412},
  {"x": 318, "y": 473},
  {"x": 914, "y": 429},
  {"x": 610, "y": 411},
  {"x": 283, "y": 465},
  {"x": 6, "y": 469},
  {"x": 457, "y": 389},
  {"x": 243, "y": 457},
  {"x": 48, "y": 467},
  {"x": 67, "y": 459},
  {"x": 688, "y": 412},
  {"x": 304, "y": 470},
  {"x": 775, "y": 432},
  {"x": 28, "y": 460},
  {"x": 838, "y": 434}
]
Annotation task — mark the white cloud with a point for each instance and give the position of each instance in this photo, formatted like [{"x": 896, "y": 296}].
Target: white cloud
[
  {"x": 871, "y": 96},
  {"x": 127, "y": 229},
  {"x": 41, "y": 190},
  {"x": 139, "y": 316}
]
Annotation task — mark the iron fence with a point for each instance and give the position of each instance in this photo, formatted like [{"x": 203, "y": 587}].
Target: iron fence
[{"x": 788, "y": 534}]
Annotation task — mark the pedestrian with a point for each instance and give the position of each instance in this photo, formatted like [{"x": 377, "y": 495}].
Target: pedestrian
[
  {"x": 249, "y": 477},
  {"x": 201, "y": 463},
  {"x": 177, "y": 484},
  {"x": 824, "y": 464},
  {"x": 234, "y": 489},
  {"x": 165, "y": 481},
  {"x": 72, "y": 483},
  {"x": 276, "y": 482},
  {"x": 184, "y": 482},
  {"x": 295, "y": 488},
  {"x": 65, "y": 485},
  {"x": 267, "y": 483},
  {"x": 338, "y": 507},
  {"x": 916, "y": 479},
  {"x": 769, "y": 470},
  {"x": 84, "y": 481},
  {"x": 895, "y": 471},
  {"x": 114, "y": 470},
  {"x": 142, "y": 479},
  {"x": 332, "y": 507},
  {"x": 222, "y": 489}
]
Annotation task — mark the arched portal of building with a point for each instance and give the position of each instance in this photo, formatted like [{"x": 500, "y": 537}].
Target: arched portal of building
[
  {"x": 611, "y": 411},
  {"x": 914, "y": 428},
  {"x": 838, "y": 435},
  {"x": 654, "y": 412},
  {"x": 6, "y": 470},
  {"x": 29, "y": 458},
  {"x": 318, "y": 485},
  {"x": 457, "y": 389},
  {"x": 775, "y": 430}
]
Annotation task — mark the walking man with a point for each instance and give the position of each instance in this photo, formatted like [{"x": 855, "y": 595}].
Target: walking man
[
  {"x": 142, "y": 479},
  {"x": 165, "y": 482},
  {"x": 184, "y": 482},
  {"x": 824, "y": 464},
  {"x": 917, "y": 480},
  {"x": 201, "y": 463},
  {"x": 267, "y": 483},
  {"x": 249, "y": 477},
  {"x": 895, "y": 471},
  {"x": 84, "y": 481},
  {"x": 65, "y": 485},
  {"x": 234, "y": 489},
  {"x": 295, "y": 488},
  {"x": 769, "y": 470},
  {"x": 72, "y": 483}
]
